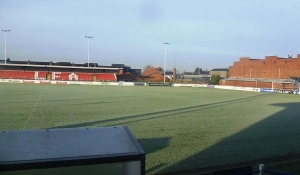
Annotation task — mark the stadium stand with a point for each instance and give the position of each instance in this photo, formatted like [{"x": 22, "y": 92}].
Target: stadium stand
[
  {"x": 42, "y": 75},
  {"x": 61, "y": 76},
  {"x": 79, "y": 76},
  {"x": 105, "y": 77},
  {"x": 26, "y": 75},
  {"x": 84, "y": 76}
]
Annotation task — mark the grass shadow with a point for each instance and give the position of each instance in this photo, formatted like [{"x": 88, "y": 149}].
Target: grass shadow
[
  {"x": 273, "y": 139},
  {"x": 151, "y": 145}
]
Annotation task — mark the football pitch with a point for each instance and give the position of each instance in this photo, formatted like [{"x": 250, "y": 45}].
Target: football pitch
[{"x": 180, "y": 129}]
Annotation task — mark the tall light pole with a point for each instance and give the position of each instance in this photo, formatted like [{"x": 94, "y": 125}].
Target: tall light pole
[
  {"x": 165, "y": 43},
  {"x": 175, "y": 70},
  {"x": 5, "y": 30},
  {"x": 89, "y": 37}
]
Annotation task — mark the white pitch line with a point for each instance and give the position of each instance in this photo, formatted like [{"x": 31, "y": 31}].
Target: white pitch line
[{"x": 30, "y": 115}]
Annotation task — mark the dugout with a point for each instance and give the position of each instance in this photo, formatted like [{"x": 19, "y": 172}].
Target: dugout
[{"x": 104, "y": 150}]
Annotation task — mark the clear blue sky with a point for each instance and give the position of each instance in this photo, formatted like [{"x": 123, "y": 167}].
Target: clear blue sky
[{"x": 203, "y": 33}]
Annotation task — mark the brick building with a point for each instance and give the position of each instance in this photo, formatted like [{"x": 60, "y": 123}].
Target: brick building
[
  {"x": 272, "y": 72},
  {"x": 152, "y": 74},
  {"x": 272, "y": 67}
]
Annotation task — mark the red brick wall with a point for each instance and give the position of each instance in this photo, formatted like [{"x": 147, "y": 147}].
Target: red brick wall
[
  {"x": 255, "y": 84},
  {"x": 270, "y": 67}
]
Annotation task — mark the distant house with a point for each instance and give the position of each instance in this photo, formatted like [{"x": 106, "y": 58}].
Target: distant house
[
  {"x": 195, "y": 75},
  {"x": 204, "y": 72},
  {"x": 223, "y": 72},
  {"x": 152, "y": 74},
  {"x": 200, "y": 76}
]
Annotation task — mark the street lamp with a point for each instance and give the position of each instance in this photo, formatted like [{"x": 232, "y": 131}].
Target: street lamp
[
  {"x": 89, "y": 37},
  {"x": 165, "y": 43},
  {"x": 5, "y": 30}
]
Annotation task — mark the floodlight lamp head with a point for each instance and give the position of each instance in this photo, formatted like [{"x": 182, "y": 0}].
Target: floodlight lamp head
[
  {"x": 5, "y": 30},
  {"x": 166, "y": 43}
]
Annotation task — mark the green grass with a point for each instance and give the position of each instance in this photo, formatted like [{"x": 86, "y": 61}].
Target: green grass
[{"x": 179, "y": 128}]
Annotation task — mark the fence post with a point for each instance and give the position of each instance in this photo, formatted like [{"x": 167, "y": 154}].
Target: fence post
[{"x": 261, "y": 168}]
